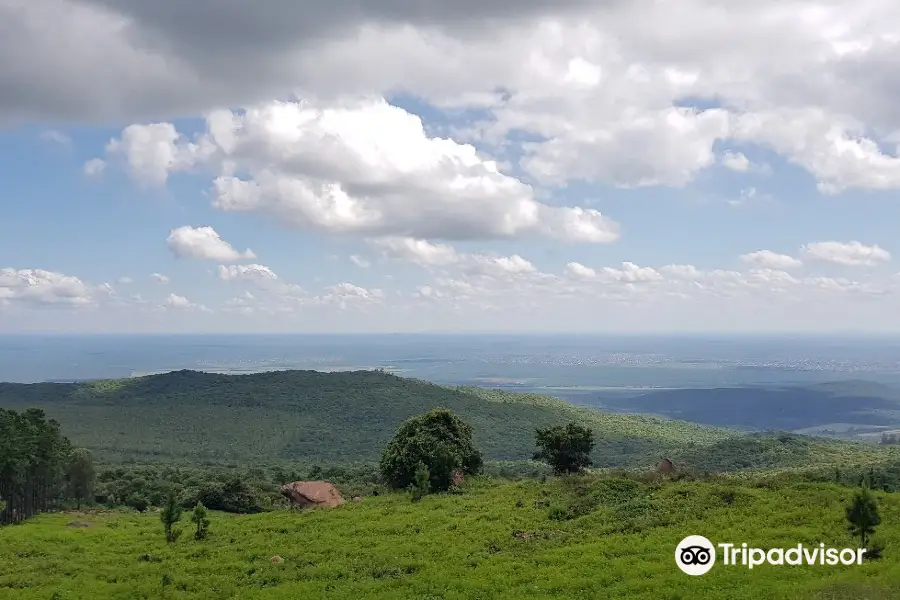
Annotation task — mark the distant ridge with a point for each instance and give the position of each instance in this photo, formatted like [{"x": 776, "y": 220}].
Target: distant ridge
[{"x": 344, "y": 417}]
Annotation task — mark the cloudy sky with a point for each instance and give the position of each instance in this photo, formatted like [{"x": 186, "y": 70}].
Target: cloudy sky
[{"x": 414, "y": 165}]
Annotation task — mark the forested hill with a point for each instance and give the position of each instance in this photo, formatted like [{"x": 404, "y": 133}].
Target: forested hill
[{"x": 349, "y": 416}]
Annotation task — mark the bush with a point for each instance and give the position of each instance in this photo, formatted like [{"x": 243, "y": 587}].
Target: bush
[
  {"x": 567, "y": 449},
  {"x": 440, "y": 441}
]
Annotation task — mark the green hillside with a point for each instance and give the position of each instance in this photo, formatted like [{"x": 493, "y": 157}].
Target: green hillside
[
  {"x": 572, "y": 538},
  {"x": 306, "y": 416}
]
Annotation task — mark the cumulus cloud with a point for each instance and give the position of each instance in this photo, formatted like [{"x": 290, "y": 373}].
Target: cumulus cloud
[
  {"x": 850, "y": 254},
  {"x": 203, "y": 243},
  {"x": 43, "y": 287},
  {"x": 770, "y": 260},
  {"x": 421, "y": 252},
  {"x": 628, "y": 273},
  {"x": 594, "y": 85},
  {"x": 252, "y": 272},
  {"x": 358, "y": 166},
  {"x": 177, "y": 302},
  {"x": 159, "y": 278},
  {"x": 94, "y": 167},
  {"x": 736, "y": 161}
]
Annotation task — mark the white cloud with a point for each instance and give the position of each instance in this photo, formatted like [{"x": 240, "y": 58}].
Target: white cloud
[
  {"x": 770, "y": 260},
  {"x": 94, "y": 167},
  {"x": 596, "y": 83},
  {"x": 736, "y": 161},
  {"x": 252, "y": 272},
  {"x": 420, "y": 252},
  {"x": 262, "y": 277},
  {"x": 359, "y": 261},
  {"x": 357, "y": 166},
  {"x": 56, "y": 137},
  {"x": 852, "y": 254},
  {"x": 181, "y": 303},
  {"x": 42, "y": 287},
  {"x": 153, "y": 151},
  {"x": 124, "y": 280},
  {"x": 159, "y": 278},
  {"x": 203, "y": 243}
]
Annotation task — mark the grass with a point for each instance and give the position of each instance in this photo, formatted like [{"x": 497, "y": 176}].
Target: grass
[{"x": 610, "y": 537}]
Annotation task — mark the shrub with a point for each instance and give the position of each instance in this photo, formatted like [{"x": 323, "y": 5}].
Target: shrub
[
  {"x": 567, "y": 449},
  {"x": 439, "y": 440}
]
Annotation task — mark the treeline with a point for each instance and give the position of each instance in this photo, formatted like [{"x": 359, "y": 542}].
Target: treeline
[{"x": 39, "y": 469}]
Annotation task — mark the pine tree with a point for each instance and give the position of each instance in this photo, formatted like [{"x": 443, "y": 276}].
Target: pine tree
[
  {"x": 199, "y": 518},
  {"x": 81, "y": 476},
  {"x": 421, "y": 482},
  {"x": 862, "y": 516},
  {"x": 170, "y": 515}
]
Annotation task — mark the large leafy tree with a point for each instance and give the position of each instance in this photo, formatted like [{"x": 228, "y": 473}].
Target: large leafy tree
[
  {"x": 566, "y": 448},
  {"x": 438, "y": 440}
]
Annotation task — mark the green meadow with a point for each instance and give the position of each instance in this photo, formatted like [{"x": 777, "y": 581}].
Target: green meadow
[{"x": 601, "y": 536}]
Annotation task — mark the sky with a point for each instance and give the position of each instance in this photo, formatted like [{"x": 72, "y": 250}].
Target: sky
[{"x": 402, "y": 166}]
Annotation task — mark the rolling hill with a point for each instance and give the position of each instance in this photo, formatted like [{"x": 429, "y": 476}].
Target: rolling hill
[{"x": 343, "y": 417}]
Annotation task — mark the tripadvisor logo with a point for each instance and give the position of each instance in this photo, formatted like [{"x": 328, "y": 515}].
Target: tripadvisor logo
[{"x": 696, "y": 555}]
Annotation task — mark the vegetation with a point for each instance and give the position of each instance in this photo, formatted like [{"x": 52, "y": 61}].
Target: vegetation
[
  {"x": 33, "y": 460},
  {"x": 170, "y": 515},
  {"x": 439, "y": 441},
  {"x": 601, "y": 534},
  {"x": 496, "y": 540},
  {"x": 297, "y": 419},
  {"x": 81, "y": 476},
  {"x": 566, "y": 448},
  {"x": 199, "y": 518},
  {"x": 862, "y": 516}
]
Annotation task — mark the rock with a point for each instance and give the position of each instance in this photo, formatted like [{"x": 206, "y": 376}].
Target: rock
[
  {"x": 665, "y": 467},
  {"x": 277, "y": 559},
  {"x": 312, "y": 494},
  {"x": 356, "y": 498},
  {"x": 79, "y": 524}
]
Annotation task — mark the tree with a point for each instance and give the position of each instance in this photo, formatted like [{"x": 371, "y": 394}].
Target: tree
[
  {"x": 170, "y": 515},
  {"x": 439, "y": 440},
  {"x": 421, "y": 482},
  {"x": 199, "y": 518},
  {"x": 33, "y": 457},
  {"x": 81, "y": 476},
  {"x": 566, "y": 448},
  {"x": 862, "y": 516}
]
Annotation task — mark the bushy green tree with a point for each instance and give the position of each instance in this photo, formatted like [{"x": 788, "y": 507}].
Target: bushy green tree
[
  {"x": 81, "y": 476},
  {"x": 439, "y": 440},
  {"x": 199, "y": 518},
  {"x": 862, "y": 516},
  {"x": 170, "y": 515},
  {"x": 566, "y": 448}
]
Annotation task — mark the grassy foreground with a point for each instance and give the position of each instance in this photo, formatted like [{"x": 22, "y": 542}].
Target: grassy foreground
[{"x": 604, "y": 537}]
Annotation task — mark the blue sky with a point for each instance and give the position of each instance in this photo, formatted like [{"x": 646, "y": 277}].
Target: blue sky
[{"x": 620, "y": 202}]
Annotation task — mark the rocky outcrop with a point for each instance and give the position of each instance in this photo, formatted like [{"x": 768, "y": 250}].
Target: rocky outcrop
[
  {"x": 665, "y": 467},
  {"x": 312, "y": 494}
]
